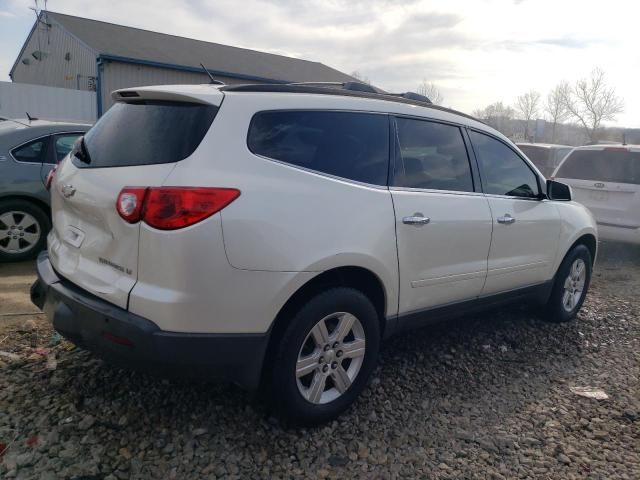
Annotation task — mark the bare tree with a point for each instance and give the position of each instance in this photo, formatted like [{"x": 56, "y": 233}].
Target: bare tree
[
  {"x": 592, "y": 101},
  {"x": 429, "y": 90},
  {"x": 499, "y": 116},
  {"x": 363, "y": 78},
  {"x": 555, "y": 106},
  {"x": 528, "y": 105}
]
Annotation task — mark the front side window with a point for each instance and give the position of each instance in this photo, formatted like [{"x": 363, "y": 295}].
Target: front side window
[
  {"x": 351, "y": 145},
  {"x": 432, "y": 156},
  {"x": 63, "y": 145},
  {"x": 32, "y": 152},
  {"x": 503, "y": 171},
  {"x": 606, "y": 165}
]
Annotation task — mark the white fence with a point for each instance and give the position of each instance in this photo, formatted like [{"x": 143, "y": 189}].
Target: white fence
[{"x": 46, "y": 102}]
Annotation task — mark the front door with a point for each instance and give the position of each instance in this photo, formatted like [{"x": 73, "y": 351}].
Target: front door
[
  {"x": 443, "y": 225},
  {"x": 526, "y": 227}
]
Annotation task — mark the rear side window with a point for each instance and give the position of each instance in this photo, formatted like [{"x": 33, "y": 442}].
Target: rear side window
[
  {"x": 432, "y": 156},
  {"x": 147, "y": 132},
  {"x": 503, "y": 171},
  {"x": 608, "y": 165},
  {"x": 32, "y": 152},
  {"x": 345, "y": 144},
  {"x": 63, "y": 144}
]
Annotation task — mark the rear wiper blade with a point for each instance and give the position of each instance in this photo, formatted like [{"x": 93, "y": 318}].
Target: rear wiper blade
[{"x": 80, "y": 151}]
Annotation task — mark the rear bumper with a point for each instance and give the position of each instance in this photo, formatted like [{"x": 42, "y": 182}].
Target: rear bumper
[
  {"x": 125, "y": 338},
  {"x": 618, "y": 233}
]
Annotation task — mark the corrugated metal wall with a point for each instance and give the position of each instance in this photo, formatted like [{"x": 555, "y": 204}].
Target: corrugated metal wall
[
  {"x": 48, "y": 103},
  {"x": 65, "y": 61},
  {"x": 115, "y": 75}
]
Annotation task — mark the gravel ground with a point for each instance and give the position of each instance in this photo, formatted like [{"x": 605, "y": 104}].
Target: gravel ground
[{"x": 483, "y": 397}]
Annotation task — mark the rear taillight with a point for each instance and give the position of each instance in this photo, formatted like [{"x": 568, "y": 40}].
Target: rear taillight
[
  {"x": 130, "y": 202},
  {"x": 171, "y": 208},
  {"x": 50, "y": 176}
]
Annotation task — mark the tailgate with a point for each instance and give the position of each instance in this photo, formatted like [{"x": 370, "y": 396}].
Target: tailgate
[
  {"x": 614, "y": 204},
  {"x": 90, "y": 244},
  {"x": 606, "y": 180},
  {"x": 135, "y": 144}
]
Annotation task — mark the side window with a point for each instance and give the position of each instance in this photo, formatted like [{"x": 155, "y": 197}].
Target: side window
[
  {"x": 32, "y": 152},
  {"x": 63, "y": 145},
  {"x": 433, "y": 156},
  {"x": 503, "y": 172},
  {"x": 345, "y": 144}
]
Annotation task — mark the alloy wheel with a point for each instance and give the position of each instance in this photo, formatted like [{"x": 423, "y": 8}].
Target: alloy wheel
[
  {"x": 330, "y": 357},
  {"x": 574, "y": 285},
  {"x": 19, "y": 232}
]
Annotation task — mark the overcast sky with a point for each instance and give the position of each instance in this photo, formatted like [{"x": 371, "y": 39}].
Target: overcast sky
[{"x": 476, "y": 51}]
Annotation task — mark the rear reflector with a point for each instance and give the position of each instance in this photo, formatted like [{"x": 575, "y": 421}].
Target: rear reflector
[
  {"x": 171, "y": 208},
  {"x": 117, "y": 339}
]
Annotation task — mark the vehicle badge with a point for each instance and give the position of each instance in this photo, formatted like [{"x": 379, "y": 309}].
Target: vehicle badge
[{"x": 68, "y": 191}]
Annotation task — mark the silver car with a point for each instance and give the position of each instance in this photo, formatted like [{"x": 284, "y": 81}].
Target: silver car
[{"x": 28, "y": 151}]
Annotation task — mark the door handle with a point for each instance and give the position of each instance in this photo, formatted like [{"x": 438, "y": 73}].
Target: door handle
[
  {"x": 506, "y": 219},
  {"x": 416, "y": 219}
]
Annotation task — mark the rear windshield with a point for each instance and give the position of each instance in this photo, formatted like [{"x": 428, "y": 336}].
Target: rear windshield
[
  {"x": 146, "y": 132},
  {"x": 608, "y": 165}
]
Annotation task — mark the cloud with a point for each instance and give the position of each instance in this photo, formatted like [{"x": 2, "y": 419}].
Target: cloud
[
  {"x": 566, "y": 42},
  {"x": 6, "y": 14},
  {"x": 476, "y": 51}
]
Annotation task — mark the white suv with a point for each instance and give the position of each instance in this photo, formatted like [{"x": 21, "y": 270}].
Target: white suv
[
  {"x": 606, "y": 180},
  {"x": 273, "y": 235}
]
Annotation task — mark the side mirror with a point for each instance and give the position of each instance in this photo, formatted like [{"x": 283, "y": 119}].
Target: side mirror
[{"x": 558, "y": 191}]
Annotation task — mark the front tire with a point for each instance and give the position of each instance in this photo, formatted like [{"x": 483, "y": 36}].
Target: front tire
[
  {"x": 23, "y": 230},
  {"x": 325, "y": 357},
  {"x": 570, "y": 285}
]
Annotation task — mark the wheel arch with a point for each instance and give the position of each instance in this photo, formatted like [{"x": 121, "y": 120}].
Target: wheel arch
[
  {"x": 28, "y": 198},
  {"x": 588, "y": 240},
  {"x": 356, "y": 277}
]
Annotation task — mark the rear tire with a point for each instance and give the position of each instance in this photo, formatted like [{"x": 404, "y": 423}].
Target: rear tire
[
  {"x": 570, "y": 285},
  {"x": 23, "y": 230},
  {"x": 325, "y": 357}
]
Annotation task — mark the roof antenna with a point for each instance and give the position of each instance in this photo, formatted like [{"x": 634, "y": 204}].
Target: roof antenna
[
  {"x": 213, "y": 80},
  {"x": 31, "y": 119}
]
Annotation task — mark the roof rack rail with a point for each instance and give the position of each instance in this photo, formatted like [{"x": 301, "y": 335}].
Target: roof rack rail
[
  {"x": 352, "y": 86},
  {"x": 413, "y": 96},
  {"x": 337, "y": 88}
]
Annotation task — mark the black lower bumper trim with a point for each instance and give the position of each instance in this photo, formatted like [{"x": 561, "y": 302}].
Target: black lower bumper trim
[{"x": 125, "y": 338}]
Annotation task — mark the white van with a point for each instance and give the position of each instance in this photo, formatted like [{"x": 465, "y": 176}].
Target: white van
[{"x": 606, "y": 179}]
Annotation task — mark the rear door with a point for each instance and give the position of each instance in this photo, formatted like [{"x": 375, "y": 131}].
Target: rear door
[
  {"x": 443, "y": 225},
  {"x": 526, "y": 228},
  {"x": 606, "y": 180},
  {"x": 133, "y": 144},
  {"x": 25, "y": 172}
]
